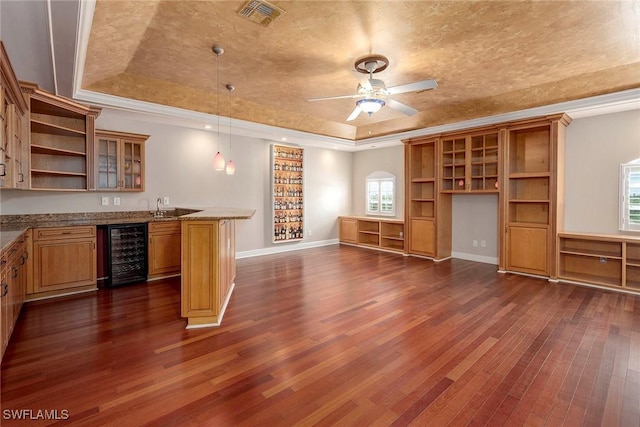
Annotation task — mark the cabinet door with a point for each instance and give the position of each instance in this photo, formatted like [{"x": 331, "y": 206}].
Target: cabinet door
[
  {"x": 164, "y": 250},
  {"x": 527, "y": 249},
  {"x": 107, "y": 167},
  {"x": 423, "y": 237},
  {"x": 132, "y": 165},
  {"x": 62, "y": 264},
  {"x": 348, "y": 230}
]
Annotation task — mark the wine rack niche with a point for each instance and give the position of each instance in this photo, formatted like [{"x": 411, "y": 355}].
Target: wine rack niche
[{"x": 287, "y": 191}]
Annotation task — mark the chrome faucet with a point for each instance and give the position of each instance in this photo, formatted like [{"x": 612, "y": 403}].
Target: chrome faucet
[{"x": 158, "y": 212}]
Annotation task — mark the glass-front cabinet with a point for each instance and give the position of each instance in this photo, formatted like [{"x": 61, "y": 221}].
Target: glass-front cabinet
[{"x": 119, "y": 161}]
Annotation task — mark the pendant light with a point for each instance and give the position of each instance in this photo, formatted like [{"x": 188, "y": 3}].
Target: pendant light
[
  {"x": 218, "y": 160},
  {"x": 230, "y": 168}
]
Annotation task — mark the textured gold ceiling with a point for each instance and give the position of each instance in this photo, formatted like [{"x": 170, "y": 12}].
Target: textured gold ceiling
[{"x": 488, "y": 58}]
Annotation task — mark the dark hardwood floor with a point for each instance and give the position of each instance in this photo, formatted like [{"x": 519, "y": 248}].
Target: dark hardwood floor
[{"x": 334, "y": 336}]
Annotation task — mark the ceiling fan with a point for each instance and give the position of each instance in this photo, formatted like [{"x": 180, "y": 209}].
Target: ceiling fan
[{"x": 374, "y": 93}]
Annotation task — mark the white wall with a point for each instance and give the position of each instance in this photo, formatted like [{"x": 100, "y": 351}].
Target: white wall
[
  {"x": 179, "y": 165},
  {"x": 596, "y": 146},
  {"x": 389, "y": 159},
  {"x": 475, "y": 217}
]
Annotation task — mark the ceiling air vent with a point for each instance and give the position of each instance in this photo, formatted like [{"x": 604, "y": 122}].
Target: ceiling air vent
[{"x": 260, "y": 12}]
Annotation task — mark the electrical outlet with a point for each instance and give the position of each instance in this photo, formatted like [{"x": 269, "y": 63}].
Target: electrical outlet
[
  {"x": 104, "y": 201},
  {"x": 116, "y": 201},
  {"x": 475, "y": 243},
  {"x": 309, "y": 232},
  {"x": 165, "y": 201},
  {"x": 483, "y": 243}
]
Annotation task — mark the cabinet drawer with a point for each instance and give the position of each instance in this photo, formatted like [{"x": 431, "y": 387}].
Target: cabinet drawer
[
  {"x": 164, "y": 227},
  {"x": 64, "y": 233}
]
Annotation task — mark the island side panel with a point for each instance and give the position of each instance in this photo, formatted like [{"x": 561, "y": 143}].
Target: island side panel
[{"x": 200, "y": 272}]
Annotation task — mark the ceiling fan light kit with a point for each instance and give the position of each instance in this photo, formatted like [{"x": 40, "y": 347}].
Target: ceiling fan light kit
[
  {"x": 370, "y": 105},
  {"x": 374, "y": 92}
]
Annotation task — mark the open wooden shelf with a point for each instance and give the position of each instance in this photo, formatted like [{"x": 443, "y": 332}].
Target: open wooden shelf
[
  {"x": 40, "y": 149},
  {"x": 611, "y": 260},
  {"x": 380, "y": 233},
  {"x": 61, "y": 145},
  {"x": 53, "y": 129}
]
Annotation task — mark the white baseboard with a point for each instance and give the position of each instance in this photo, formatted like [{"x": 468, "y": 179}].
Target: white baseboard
[
  {"x": 285, "y": 248},
  {"x": 474, "y": 257},
  {"x": 222, "y": 311}
]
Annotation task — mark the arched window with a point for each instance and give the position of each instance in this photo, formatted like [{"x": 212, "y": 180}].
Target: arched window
[
  {"x": 380, "y": 193},
  {"x": 630, "y": 196}
]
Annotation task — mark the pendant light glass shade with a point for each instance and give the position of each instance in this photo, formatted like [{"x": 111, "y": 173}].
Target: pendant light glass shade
[
  {"x": 218, "y": 162},
  {"x": 231, "y": 168}
]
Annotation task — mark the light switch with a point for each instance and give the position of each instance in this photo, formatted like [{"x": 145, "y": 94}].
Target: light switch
[
  {"x": 116, "y": 201},
  {"x": 165, "y": 201}
]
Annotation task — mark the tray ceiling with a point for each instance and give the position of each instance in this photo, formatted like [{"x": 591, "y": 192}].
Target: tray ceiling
[{"x": 488, "y": 58}]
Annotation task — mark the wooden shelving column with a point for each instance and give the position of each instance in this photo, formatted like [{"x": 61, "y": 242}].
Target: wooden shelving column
[
  {"x": 287, "y": 170},
  {"x": 427, "y": 210},
  {"x": 534, "y": 174}
]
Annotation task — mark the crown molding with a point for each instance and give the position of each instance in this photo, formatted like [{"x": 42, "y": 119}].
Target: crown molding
[{"x": 598, "y": 105}]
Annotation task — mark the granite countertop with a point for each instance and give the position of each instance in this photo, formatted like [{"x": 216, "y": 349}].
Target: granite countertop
[
  {"x": 211, "y": 214},
  {"x": 12, "y": 226}
]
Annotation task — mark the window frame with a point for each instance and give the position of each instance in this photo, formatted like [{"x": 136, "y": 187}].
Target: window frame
[
  {"x": 380, "y": 177},
  {"x": 626, "y": 169}
]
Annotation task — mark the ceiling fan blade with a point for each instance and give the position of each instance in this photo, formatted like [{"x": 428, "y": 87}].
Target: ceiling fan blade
[
  {"x": 403, "y": 108},
  {"x": 358, "y": 95},
  {"x": 355, "y": 113},
  {"x": 363, "y": 79},
  {"x": 413, "y": 87}
]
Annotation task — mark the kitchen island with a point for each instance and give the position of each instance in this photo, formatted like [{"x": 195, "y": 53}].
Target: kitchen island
[{"x": 208, "y": 264}]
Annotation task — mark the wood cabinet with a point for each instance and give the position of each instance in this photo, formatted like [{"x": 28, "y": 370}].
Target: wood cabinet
[
  {"x": 470, "y": 163},
  {"x": 600, "y": 259},
  {"x": 14, "y": 161},
  {"x": 61, "y": 141},
  {"x": 533, "y": 194},
  {"x": 64, "y": 261},
  {"x": 14, "y": 274},
  {"x": 379, "y": 233},
  {"x": 208, "y": 270},
  {"x": 164, "y": 248},
  {"x": 119, "y": 161},
  {"x": 287, "y": 190},
  {"x": 348, "y": 229},
  {"x": 427, "y": 209}
]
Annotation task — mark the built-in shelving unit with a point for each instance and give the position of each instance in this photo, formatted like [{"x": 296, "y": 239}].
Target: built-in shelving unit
[
  {"x": 427, "y": 209},
  {"x": 600, "y": 259},
  {"x": 379, "y": 233},
  {"x": 61, "y": 141},
  {"x": 470, "y": 163},
  {"x": 287, "y": 167},
  {"x": 534, "y": 175}
]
